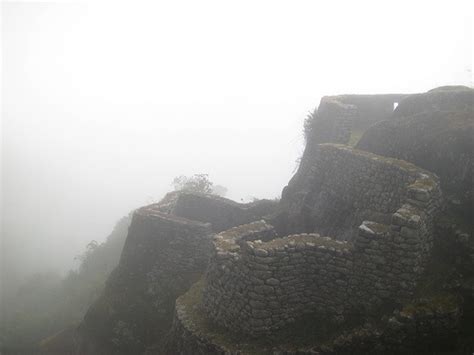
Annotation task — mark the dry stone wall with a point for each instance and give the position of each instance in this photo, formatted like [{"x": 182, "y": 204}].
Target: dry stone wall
[
  {"x": 336, "y": 120},
  {"x": 258, "y": 285},
  {"x": 429, "y": 327},
  {"x": 190, "y": 332},
  {"x": 371, "y": 109},
  {"x": 435, "y": 131},
  {"x": 333, "y": 121},
  {"x": 162, "y": 257},
  {"x": 166, "y": 251},
  {"x": 345, "y": 187},
  {"x": 337, "y": 116},
  {"x": 222, "y": 213}
]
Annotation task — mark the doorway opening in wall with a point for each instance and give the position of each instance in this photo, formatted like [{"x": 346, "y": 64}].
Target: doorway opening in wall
[{"x": 395, "y": 104}]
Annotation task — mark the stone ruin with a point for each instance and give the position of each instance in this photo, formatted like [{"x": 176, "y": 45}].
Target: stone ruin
[
  {"x": 338, "y": 116},
  {"x": 167, "y": 250},
  {"x": 351, "y": 234},
  {"x": 258, "y": 282}
]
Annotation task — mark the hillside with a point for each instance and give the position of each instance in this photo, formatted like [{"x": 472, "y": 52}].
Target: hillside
[{"x": 46, "y": 304}]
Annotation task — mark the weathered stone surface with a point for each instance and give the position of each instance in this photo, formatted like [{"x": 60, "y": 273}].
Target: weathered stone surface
[
  {"x": 313, "y": 273},
  {"x": 162, "y": 257},
  {"x": 345, "y": 187},
  {"x": 378, "y": 213},
  {"x": 221, "y": 212},
  {"x": 426, "y": 326},
  {"x": 435, "y": 131},
  {"x": 164, "y": 254},
  {"x": 338, "y": 119}
]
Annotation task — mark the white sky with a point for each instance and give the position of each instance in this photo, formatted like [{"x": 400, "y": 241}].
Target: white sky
[{"x": 104, "y": 103}]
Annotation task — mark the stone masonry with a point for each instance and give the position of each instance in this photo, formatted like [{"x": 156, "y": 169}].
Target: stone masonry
[
  {"x": 257, "y": 285},
  {"x": 166, "y": 251}
]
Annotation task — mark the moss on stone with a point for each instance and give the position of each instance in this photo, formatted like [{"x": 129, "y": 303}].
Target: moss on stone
[
  {"x": 377, "y": 228},
  {"x": 355, "y": 137},
  {"x": 307, "y": 332},
  {"x": 201, "y": 325},
  {"x": 424, "y": 184},
  {"x": 440, "y": 303},
  {"x": 307, "y": 239},
  {"x": 228, "y": 240},
  {"x": 402, "y": 164}
]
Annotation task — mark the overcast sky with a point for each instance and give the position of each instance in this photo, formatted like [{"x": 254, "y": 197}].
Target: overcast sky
[{"x": 104, "y": 103}]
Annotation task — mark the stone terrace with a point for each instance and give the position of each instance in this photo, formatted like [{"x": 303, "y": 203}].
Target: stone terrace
[
  {"x": 166, "y": 251},
  {"x": 257, "y": 285}
]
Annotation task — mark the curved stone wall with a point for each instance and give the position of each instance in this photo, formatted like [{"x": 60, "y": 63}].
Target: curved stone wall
[
  {"x": 435, "y": 131},
  {"x": 339, "y": 119},
  {"x": 257, "y": 285},
  {"x": 344, "y": 187},
  {"x": 190, "y": 332}
]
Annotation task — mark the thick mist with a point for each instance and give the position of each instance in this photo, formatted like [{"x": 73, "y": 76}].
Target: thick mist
[{"x": 103, "y": 105}]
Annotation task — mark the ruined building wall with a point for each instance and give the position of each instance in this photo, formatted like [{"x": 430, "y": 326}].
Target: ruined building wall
[
  {"x": 222, "y": 213},
  {"x": 164, "y": 254},
  {"x": 162, "y": 257},
  {"x": 371, "y": 109},
  {"x": 345, "y": 186},
  {"x": 335, "y": 120},
  {"x": 258, "y": 286},
  {"x": 435, "y": 131},
  {"x": 337, "y": 116}
]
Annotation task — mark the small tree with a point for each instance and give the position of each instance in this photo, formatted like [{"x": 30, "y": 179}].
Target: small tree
[
  {"x": 309, "y": 122},
  {"x": 196, "y": 183}
]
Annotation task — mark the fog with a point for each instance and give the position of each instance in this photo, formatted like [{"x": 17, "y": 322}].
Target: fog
[{"x": 104, "y": 104}]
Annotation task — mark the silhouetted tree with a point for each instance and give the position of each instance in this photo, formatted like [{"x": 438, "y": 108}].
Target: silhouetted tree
[{"x": 196, "y": 183}]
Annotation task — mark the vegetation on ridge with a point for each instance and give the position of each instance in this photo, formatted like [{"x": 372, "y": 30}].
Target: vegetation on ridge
[{"x": 47, "y": 303}]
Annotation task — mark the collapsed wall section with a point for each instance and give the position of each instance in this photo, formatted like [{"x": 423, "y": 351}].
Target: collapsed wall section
[{"x": 258, "y": 285}]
